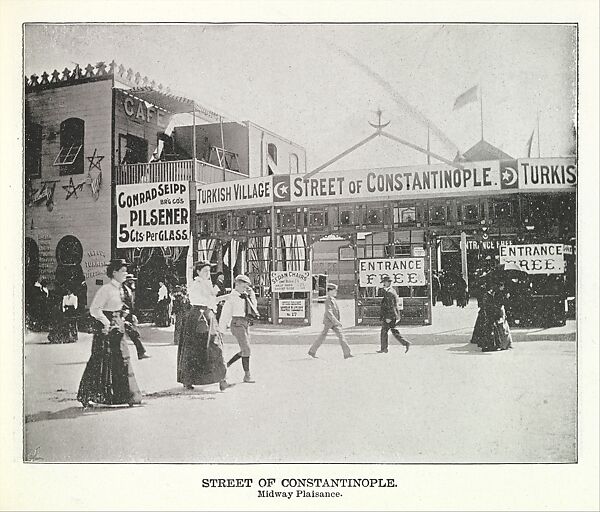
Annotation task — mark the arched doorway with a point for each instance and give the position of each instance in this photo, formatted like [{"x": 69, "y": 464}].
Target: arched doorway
[{"x": 69, "y": 273}]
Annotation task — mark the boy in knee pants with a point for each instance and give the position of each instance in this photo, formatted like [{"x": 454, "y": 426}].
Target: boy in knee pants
[{"x": 234, "y": 312}]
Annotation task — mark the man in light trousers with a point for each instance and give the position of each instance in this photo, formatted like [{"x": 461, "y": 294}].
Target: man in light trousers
[{"x": 331, "y": 320}]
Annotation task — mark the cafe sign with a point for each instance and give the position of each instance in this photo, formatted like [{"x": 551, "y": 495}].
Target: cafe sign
[
  {"x": 291, "y": 281},
  {"x": 535, "y": 258},
  {"x": 402, "y": 271}
]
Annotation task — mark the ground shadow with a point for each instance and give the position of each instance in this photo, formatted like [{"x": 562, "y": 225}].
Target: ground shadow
[
  {"x": 70, "y": 364},
  {"x": 71, "y": 413},
  {"x": 470, "y": 349},
  {"x": 180, "y": 391}
]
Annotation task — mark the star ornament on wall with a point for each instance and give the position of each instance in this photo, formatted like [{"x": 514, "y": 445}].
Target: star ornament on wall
[
  {"x": 95, "y": 161},
  {"x": 72, "y": 189}
]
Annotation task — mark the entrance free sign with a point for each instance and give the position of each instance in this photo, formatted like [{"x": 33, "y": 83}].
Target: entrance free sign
[
  {"x": 535, "y": 258},
  {"x": 402, "y": 271}
]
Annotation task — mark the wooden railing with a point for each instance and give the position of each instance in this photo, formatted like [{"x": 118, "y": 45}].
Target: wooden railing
[{"x": 176, "y": 170}]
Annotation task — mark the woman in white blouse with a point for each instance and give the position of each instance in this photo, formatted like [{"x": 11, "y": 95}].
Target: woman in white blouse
[
  {"x": 108, "y": 376},
  {"x": 163, "y": 318},
  {"x": 64, "y": 329},
  {"x": 200, "y": 352}
]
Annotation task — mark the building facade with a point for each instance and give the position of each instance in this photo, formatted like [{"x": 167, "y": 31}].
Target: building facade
[{"x": 89, "y": 131}]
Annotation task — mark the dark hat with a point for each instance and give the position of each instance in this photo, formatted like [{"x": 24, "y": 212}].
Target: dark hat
[
  {"x": 243, "y": 279},
  {"x": 118, "y": 263},
  {"x": 386, "y": 279},
  {"x": 204, "y": 263},
  {"x": 332, "y": 286}
]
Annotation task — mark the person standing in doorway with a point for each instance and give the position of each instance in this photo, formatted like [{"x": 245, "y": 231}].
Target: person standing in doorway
[
  {"x": 238, "y": 310},
  {"x": 163, "y": 318},
  {"x": 221, "y": 290},
  {"x": 130, "y": 319},
  {"x": 435, "y": 287},
  {"x": 331, "y": 320},
  {"x": 390, "y": 315}
]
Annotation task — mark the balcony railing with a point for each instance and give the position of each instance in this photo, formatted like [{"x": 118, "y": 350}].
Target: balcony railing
[{"x": 176, "y": 170}]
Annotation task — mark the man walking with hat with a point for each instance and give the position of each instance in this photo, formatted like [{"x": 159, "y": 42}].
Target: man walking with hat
[
  {"x": 130, "y": 319},
  {"x": 238, "y": 310},
  {"x": 390, "y": 315},
  {"x": 331, "y": 320}
]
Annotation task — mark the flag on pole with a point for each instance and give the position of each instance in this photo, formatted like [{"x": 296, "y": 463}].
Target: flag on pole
[
  {"x": 529, "y": 143},
  {"x": 466, "y": 97}
]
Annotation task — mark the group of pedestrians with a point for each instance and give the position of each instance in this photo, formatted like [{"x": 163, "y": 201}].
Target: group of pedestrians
[
  {"x": 448, "y": 287},
  {"x": 108, "y": 378},
  {"x": 203, "y": 319},
  {"x": 389, "y": 316}
]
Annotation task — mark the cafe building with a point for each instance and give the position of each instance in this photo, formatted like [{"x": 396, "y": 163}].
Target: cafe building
[{"x": 91, "y": 131}]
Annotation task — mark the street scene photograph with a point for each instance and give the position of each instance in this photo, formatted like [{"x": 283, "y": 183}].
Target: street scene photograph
[{"x": 300, "y": 243}]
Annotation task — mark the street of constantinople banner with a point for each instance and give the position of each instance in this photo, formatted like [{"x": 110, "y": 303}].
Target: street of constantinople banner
[{"x": 153, "y": 215}]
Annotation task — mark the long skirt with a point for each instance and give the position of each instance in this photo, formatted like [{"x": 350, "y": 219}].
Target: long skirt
[
  {"x": 108, "y": 376},
  {"x": 179, "y": 323},
  {"x": 491, "y": 334},
  {"x": 162, "y": 316},
  {"x": 200, "y": 352},
  {"x": 65, "y": 330}
]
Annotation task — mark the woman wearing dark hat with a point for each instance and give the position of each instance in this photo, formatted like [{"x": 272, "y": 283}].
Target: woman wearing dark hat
[
  {"x": 108, "y": 376},
  {"x": 200, "y": 352}
]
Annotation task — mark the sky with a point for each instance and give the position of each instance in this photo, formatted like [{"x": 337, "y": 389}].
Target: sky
[{"x": 321, "y": 84}]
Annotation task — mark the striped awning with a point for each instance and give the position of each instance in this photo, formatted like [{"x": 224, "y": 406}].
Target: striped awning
[{"x": 172, "y": 103}]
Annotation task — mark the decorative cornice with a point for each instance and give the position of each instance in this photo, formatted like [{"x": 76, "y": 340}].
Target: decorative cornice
[{"x": 91, "y": 73}]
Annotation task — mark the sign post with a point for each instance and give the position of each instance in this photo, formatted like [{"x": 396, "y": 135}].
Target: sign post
[{"x": 294, "y": 309}]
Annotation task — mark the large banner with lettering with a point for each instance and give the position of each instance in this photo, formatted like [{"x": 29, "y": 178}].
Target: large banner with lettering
[
  {"x": 402, "y": 271},
  {"x": 535, "y": 258},
  {"x": 291, "y": 281},
  {"x": 540, "y": 174},
  {"x": 393, "y": 183},
  {"x": 153, "y": 215}
]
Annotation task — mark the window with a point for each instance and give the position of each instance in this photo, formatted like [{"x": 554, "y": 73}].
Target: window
[
  {"x": 70, "y": 156},
  {"x": 346, "y": 253},
  {"x": 293, "y": 163},
  {"x": 132, "y": 149},
  {"x": 405, "y": 215},
  {"x": 471, "y": 212},
  {"x": 271, "y": 159},
  {"x": 69, "y": 251},
  {"x": 33, "y": 150},
  {"x": 272, "y": 151}
]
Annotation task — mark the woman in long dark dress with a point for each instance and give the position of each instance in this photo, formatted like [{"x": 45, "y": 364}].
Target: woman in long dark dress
[
  {"x": 200, "y": 351},
  {"x": 65, "y": 328},
  {"x": 491, "y": 331},
  {"x": 181, "y": 306},
  {"x": 108, "y": 376},
  {"x": 163, "y": 317}
]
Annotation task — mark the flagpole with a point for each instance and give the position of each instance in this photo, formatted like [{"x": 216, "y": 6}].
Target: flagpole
[
  {"x": 538, "y": 132},
  {"x": 481, "y": 108},
  {"x": 428, "y": 148}
]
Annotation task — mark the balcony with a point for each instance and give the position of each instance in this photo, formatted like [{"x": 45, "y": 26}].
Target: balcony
[{"x": 176, "y": 170}]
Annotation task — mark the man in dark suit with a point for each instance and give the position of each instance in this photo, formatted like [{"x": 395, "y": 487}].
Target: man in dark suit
[
  {"x": 390, "y": 315},
  {"x": 331, "y": 320}
]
